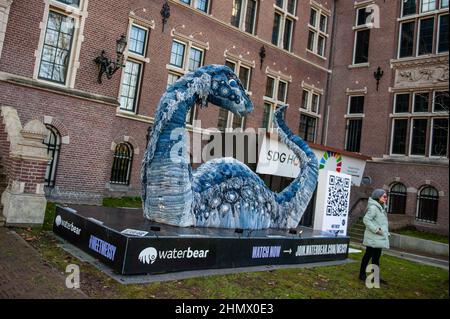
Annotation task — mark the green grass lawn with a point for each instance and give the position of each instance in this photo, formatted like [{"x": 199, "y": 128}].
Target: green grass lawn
[
  {"x": 406, "y": 279},
  {"x": 423, "y": 235}
]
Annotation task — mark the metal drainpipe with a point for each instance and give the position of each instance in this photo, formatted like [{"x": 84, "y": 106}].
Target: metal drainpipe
[{"x": 324, "y": 135}]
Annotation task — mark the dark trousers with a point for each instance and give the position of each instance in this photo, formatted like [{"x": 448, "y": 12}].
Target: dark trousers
[{"x": 371, "y": 253}]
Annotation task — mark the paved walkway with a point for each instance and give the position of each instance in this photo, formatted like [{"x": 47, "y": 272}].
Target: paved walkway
[
  {"x": 23, "y": 273},
  {"x": 436, "y": 261}
]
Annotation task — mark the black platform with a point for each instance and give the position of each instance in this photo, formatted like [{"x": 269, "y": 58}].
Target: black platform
[{"x": 123, "y": 239}]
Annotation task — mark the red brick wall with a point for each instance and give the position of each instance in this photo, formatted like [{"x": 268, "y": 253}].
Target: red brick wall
[
  {"x": 414, "y": 176},
  {"x": 4, "y": 156},
  {"x": 30, "y": 172},
  {"x": 375, "y": 138}
]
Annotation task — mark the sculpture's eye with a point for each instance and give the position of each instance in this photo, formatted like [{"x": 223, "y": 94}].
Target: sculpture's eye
[{"x": 233, "y": 83}]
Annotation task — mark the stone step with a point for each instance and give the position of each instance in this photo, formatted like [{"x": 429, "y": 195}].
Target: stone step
[
  {"x": 357, "y": 239},
  {"x": 358, "y": 226},
  {"x": 353, "y": 233}
]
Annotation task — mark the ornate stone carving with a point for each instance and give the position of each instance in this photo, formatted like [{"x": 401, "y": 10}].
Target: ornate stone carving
[{"x": 418, "y": 76}]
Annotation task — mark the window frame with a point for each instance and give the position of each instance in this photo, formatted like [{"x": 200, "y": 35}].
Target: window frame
[
  {"x": 202, "y": 60},
  {"x": 432, "y": 135},
  {"x": 414, "y": 50},
  {"x": 194, "y": 5},
  {"x": 138, "y": 87},
  {"x": 273, "y": 101},
  {"x": 317, "y": 32},
  {"x": 170, "y": 73},
  {"x": 394, "y": 109},
  {"x": 316, "y": 121},
  {"x": 438, "y": 34},
  {"x": 285, "y": 94},
  {"x": 347, "y": 132},
  {"x": 243, "y": 17},
  {"x": 147, "y": 31},
  {"x": 350, "y": 97},
  {"x": 434, "y": 102},
  {"x": 50, "y": 181},
  {"x": 69, "y": 66},
  {"x": 413, "y": 112},
  {"x": 418, "y": 202},
  {"x": 421, "y": 6},
  {"x": 411, "y": 131},
  {"x": 129, "y": 167},
  {"x": 430, "y": 116},
  {"x": 402, "y": 9},
  {"x": 79, "y": 14},
  {"x": 184, "y": 69},
  {"x": 309, "y": 102},
  {"x": 184, "y": 56},
  {"x": 433, "y": 45},
  {"x": 238, "y": 64},
  {"x": 355, "y": 45},
  {"x": 397, "y": 193},
  {"x": 391, "y": 149},
  {"x": 284, "y": 14},
  {"x": 130, "y": 56}
]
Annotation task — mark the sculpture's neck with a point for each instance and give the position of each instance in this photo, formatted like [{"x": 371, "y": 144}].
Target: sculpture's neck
[
  {"x": 170, "y": 120},
  {"x": 173, "y": 135}
]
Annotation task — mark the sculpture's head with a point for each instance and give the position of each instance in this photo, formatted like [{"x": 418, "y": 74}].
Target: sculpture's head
[{"x": 226, "y": 90}]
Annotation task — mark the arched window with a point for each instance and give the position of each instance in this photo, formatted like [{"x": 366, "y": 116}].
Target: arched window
[
  {"x": 53, "y": 142},
  {"x": 121, "y": 168},
  {"x": 397, "y": 199},
  {"x": 427, "y": 204}
]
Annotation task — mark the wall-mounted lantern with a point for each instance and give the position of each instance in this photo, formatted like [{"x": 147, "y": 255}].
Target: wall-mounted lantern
[
  {"x": 262, "y": 56},
  {"x": 106, "y": 65},
  {"x": 378, "y": 74},
  {"x": 165, "y": 14}
]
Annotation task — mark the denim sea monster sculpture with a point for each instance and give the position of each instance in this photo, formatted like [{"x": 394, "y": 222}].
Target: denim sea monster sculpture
[{"x": 224, "y": 192}]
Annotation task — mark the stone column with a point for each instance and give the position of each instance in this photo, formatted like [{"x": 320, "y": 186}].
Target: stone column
[
  {"x": 4, "y": 14},
  {"x": 24, "y": 200}
]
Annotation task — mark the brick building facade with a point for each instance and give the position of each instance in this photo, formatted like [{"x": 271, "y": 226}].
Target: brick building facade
[
  {"x": 395, "y": 122},
  {"x": 97, "y": 132}
]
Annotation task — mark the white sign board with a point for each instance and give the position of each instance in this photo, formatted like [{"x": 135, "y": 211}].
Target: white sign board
[
  {"x": 276, "y": 158},
  {"x": 332, "y": 203}
]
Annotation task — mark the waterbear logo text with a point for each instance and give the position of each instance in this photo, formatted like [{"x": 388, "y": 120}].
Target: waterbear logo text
[
  {"x": 67, "y": 225},
  {"x": 150, "y": 254}
]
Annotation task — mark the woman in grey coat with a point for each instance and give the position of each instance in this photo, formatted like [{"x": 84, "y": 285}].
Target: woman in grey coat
[{"x": 376, "y": 235}]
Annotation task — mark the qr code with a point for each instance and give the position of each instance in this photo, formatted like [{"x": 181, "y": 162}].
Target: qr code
[{"x": 337, "y": 197}]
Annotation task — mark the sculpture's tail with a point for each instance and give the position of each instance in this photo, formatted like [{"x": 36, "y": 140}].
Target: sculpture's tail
[{"x": 294, "y": 199}]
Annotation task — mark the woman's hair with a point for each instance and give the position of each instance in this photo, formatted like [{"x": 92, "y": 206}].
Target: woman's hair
[{"x": 376, "y": 194}]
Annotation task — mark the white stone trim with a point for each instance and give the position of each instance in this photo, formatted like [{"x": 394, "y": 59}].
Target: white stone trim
[
  {"x": 312, "y": 87},
  {"x": 361, "y": 4},
  {"x": 349, "y": 91},
  {"x": 190, "y": 39},
  {"x": 320, "y": 7},
  {"x": 239, "y": 58},
  {"x": 278, "y": 74},
  {"x": 5, "y": 6}
]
